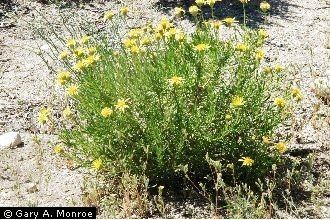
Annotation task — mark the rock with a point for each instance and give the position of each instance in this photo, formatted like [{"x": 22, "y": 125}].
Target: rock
[
  {"x": 32, "y": 188},
  {"x": 10, "y": 139}
]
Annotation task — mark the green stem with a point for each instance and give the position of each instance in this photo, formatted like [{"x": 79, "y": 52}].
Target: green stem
[{"x": 244, "y": 14}]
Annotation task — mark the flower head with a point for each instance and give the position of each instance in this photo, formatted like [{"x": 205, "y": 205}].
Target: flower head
[
  {"x": 64, "y": 54},
  {"x": 244, "y": 1},
  {"x": 79, "y": 52},
  {"x": 264, "y": 6},
  {"x": 58, "y": 149},
  {"x": 201, "y": 47},
  {"x": 241, "y": 47},
  {"x": 146, "y": 40},
  {"x": 121, "y": 104},
  {"x": 80, "y": 65},
  {"x": 279, "y": 102},
  {"x": 63, "y": 77},
  {"x": 260, "y": 54},
  {"x": 262, "y": 33},
  {"x": 97, "y": 164},
  {"x": 247, "y": 161},
  {"x": 108, "y": 15},
  {"x": 128, "y": 43},
  {"x": 135, "y": 32},
  {"x": 281, "y": 147},
  {"x": 175, "y": 81},
  {"x": 106, "y": 112},
  {"x": 210, "y": 2},
  {"x": 228, "y": 117},
  {"x": 67, "y": 113},
  {"x": 164, "y": 23},
  {"x": 268, "y": 70},
  {"x": 72, "y": 90},
  {"x": 265, "y": 140},
  {"x": 200, "y": 2},
  {"x": 124, "y": 10},
  {"x": 71, "y": 43},
  {"x": 178, "y": 11},
  {"x": 193, "y": 10},
  {"x": 90, "y": 60},
  {"x": 43, "y": 116},
  {"x": 85, "y": 39},
  {"x": 216, "y": 24},
  {"x": 278, "y": 68},
  {"x": 296, "y": 93},
  {"x": 91, "y": 50},
  {"x": 237, "y": 101},
  {"x": 230, "y": 21},
  {"x": 180, "y": 36}
]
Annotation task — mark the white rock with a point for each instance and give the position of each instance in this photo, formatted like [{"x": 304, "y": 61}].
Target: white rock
[{"x": 10, "y": 139}]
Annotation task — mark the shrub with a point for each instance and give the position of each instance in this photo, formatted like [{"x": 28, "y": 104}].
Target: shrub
[{"x": 161, "y": 98}]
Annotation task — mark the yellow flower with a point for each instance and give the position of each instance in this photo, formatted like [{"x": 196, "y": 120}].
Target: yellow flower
[
  {"x": 201, "y": 47},
  {"x": 170, "y": 33},
  {"x": 97, "y": 164},
  {"x": 268, "y": 70},
  {"x": 124, "y": 10},
  {"x": 58, "y": 149},
  {"x": 128, "y": 43},
  {"x": 262, "y": 33},
  {"x": 67, "y": 113},
  {"x": 244, "y": 1},
  {"x": 230, "y": 21},
  {"x": 72, "y": 90},
  {"x": 280, "y": 102},
  {"x": 71, "y": 43},
  {"x": 260, "y": 54},
  {"x": 265, "y": 140},
  {"x": 241, "y": 47},
  {"x": 63, "y": 77},
  {"x": 296, "y": 93},
  {"x": 175, "y": 81},
  {"x": 64, "y": 54},
  {"x": 146, "y": 40},
  {"x": 91, "y": 50},
  {"x": 115, "y": 53},
  {"x": 90, "y": 60},
  {"x": 228, "y": 117},
  {"x": 193, "y": 10},
  {"x": 211, "y": 2},
  {"x": 281, "y": 147},
  {"x": 79, "y": 51},
  {"x": 278, "y": 68},
  {"x": 200, "y": 2},
  {"x": 80, "y": 65},
  {"x": 180, "y": 36},
  {"x": 216, "y": 24},
  {"x": 164, "y": 23},
  {"x": 85, "y": 39},
  {"x": 43, "y": 116},
  {"x": 106, "y": 112},
  {"x": 178, "y": 11},
  {"x": 158, "y": 36},
  {"x": 135, "y": 49},
  {"x": 135, "y": 33},
  {"x": 264, "y": 6},
  {"x": 121, "y": 105},
  {"x": 247, "y": 161},
  {"x": 108, "y": 15},
  {"x": 237, "y": 101}
]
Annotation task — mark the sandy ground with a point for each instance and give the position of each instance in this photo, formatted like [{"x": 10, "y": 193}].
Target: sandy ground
[{"x": 32, "y": 175}]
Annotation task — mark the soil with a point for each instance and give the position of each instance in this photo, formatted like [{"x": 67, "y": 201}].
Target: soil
[{"x": 32, "y": 174}]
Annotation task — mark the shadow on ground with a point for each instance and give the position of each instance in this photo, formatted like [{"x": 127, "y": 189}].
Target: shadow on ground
[{"x": 233, "y": 8}]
